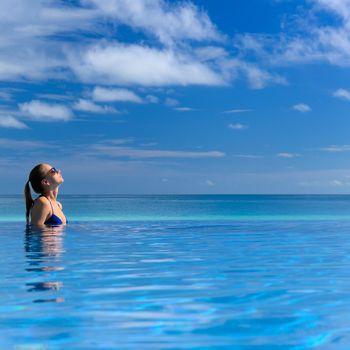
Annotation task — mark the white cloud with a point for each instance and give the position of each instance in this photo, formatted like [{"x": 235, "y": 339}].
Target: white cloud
[
  {"x": 152, "y": 99},
  {"x": 118, "y": 64},
  {"x": 18, "y": 70},
  {"x": 336, "y": 183},
  {"x": 89, "y": 106},
  {"x": 209, "y": 183},
  {"x": 25, "y": 50},
  {"x": 7, "y": 121},
  {"x": 57, "y": 97},
  {"x": 248, "y": 156},
  {"x": 208, "y": 53},
  {"x": 5, "y": 96},
  {"x": 237, "y": 126},
  {"x": 287, "y": 155},
  {"x": 302, "y": 108},
  {"x": 306, "y": 38},
  {"x": 22, "y": 144},
  {"x": 115, "y": 95},
  {"x": 31, "y": 18},
  {"x": 335, "y": 148},
  {"x": 142, "y": 153},
  {"x": 171, "y": 102},
  {"x": 40, "y": 32},
  {"x": 259, "y": 78},
  {"x": 233, "y": 111},
  {"x": 325, "y": 180},
  {"x": 183, "y": 109},
  {"x": 119, "y": 141},
  {"x": 167, "y": 21},
  {"x": 342, "y": 93},
  {"x": 339, "y": 7},
  {"x": 41, "y": 111}
]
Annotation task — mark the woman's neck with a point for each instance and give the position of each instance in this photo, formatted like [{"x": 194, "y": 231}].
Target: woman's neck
[{"x": 52, "y": 195}]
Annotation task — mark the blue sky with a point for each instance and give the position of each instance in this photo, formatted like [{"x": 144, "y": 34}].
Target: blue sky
[{"x": 177, "y": 97}]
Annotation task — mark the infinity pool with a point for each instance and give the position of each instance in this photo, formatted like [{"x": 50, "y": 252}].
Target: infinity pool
[{"x": 176, "y": 285}]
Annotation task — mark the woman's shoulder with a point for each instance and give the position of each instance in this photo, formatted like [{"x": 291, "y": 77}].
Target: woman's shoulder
[
  {"x": 41, "y": 202},
  {"x": 40, "y": 211}
]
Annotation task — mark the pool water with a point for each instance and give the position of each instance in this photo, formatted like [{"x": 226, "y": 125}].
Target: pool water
[{"x": 176, "y": 284}]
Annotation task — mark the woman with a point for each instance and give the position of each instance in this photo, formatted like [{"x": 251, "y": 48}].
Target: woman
[{"x": 44, "y": 210}]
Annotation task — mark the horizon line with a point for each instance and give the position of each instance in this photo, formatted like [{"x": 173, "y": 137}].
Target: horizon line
[{"x": 191, "y": 194}]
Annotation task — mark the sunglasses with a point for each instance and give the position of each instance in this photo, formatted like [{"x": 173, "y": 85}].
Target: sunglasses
[{"x": 52, "y": 171}]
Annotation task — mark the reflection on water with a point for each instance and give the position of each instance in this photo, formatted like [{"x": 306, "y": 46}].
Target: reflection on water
[{"x": 44, "y": 250}]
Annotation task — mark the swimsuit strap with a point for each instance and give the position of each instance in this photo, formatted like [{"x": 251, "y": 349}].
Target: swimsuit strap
[
  {"x": 49, "y": 202},
  {"x": 51, "y": 206}
]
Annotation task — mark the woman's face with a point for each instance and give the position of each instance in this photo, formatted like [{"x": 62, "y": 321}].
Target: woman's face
[{"x": 52, "y": 175}]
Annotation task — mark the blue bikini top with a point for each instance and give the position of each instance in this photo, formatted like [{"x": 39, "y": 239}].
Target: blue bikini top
[{"x": 53, "y": 219}]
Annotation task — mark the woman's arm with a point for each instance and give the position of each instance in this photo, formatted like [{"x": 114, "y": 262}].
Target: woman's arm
[{"x": 40, "y": 212}]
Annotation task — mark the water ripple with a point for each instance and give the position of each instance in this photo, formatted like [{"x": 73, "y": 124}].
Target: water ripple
[{"x": 180, "y": 285}]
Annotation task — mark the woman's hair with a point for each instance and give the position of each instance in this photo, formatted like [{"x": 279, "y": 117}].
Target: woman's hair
[{"x": 35, "y": 177}]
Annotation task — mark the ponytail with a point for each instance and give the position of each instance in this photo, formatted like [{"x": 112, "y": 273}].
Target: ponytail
[
  {"x": 35, "y": 177},
  {"x": 28, "y": 200}
]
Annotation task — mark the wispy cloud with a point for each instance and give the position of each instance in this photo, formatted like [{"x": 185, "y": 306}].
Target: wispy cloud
[
  {"x": 166, "y": 21},
  {"x": 41, "y": 32},
  {"x": 325, "y": 182},
  {"x": 25, "y": 27},
  {"x": 302, "y": 108},
  {"x": 342, "y": 93},
  {"x": 233, "y": 111},
  {"x": 115, "y": 95},
  {"x": 114, "y": 142},
  {"x": 89, "y": 106},
  {"x": 307, "y": 38},
  {"x": 209, "y": 182},
  {"x": 58, "y": 97},
  {"x": 183, "y": 109},
  {"x": 17, "y": 144},
  {"x": 119, "y": 64},
  {"x": 41, "y": 111},
  {"x": 287, "y": 155},
  {"x": 336, "y": 183},
  {"x": 209, "y": 53},
  {"x": 5, "y": 96},
  {"x": 238, "y": 126},
  {"x": 143, "y": 153},
  {"x": 248, "y": 156},
  {"x": 171, "y": 102},
  {"x": 152, "y": 99},
  {"x": 7, "y": 121},
  {"x": 259, "y": 78},
  {"x": 336, "y": 148}
]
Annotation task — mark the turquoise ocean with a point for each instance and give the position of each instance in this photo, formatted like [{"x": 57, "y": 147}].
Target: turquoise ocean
[
  {"x": 178, "y": 272},
  {"x": 190, "y": 207}
]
